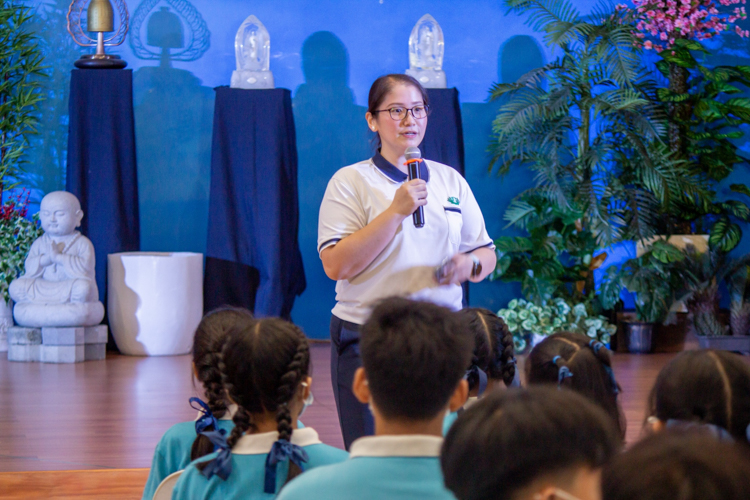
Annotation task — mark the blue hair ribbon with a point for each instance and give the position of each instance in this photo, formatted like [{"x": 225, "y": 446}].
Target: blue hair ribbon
[
  {"x": 596, "y": 345},
  {"x": 282, "y": 451},
  {"x": 563, "y": 373},
  {"x": 221, "y": 465},
  {"x": 207, "y": 419},
  {"x": 481, "y": 376},
  {"x": 718, "y": 432}
]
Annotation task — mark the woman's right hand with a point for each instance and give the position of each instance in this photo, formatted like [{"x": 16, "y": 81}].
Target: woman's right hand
[{"x": 409, "y": 196}]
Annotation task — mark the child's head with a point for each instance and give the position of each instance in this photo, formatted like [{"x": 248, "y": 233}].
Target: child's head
[
  {"x": 207, "y": 342},
  {"x": 494, "y": 355},
  {"x": 579, "y": 363},
  {"x": 414, "y": 357},
  {"x": 265, "y": 369},
  {"x": 681, "y": 465},
  {"x": 703, "y": 387},
  {"x": 539, "y": 443}
]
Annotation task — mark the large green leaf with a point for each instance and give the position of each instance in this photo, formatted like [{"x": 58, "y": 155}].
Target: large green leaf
[
  {"x": 725, "y": 235},
  {"x": 740, "y": 188}
]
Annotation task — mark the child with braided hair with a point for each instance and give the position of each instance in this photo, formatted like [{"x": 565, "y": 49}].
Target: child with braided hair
[
  {"x": 494, "y": 359},
  {"x": 265, "y": 368},
  {"x": 183, "y": 442},
  {"x": 581, "y": 364}
]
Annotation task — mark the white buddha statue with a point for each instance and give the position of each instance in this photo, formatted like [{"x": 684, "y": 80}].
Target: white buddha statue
[{"x": 58, "y": 287}]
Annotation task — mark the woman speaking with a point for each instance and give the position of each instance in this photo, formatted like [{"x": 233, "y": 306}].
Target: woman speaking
[{"x": 370, "y": 246}]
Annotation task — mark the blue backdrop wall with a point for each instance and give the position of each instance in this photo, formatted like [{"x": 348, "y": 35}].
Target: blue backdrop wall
[{"x": 328, "y": 53}]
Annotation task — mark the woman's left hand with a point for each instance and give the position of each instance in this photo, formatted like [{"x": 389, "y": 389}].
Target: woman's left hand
[{"x": 457, "y": 270}]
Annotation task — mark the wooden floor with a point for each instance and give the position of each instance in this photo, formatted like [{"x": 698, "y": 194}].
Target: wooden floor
[{"x": 109, "y": 415}]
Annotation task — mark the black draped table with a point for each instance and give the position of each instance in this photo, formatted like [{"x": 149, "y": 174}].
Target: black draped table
[
  {"x": 254, "y": 209},
  {"x": 101, "y": 168},
  {"x": 444, "y": 139}
]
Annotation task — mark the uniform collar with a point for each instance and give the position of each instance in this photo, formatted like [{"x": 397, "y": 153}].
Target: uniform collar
[
  {"x": 393, "y": 173},
  {"x": 415, "y": 445},
  {"x": 258, "y": 444}
]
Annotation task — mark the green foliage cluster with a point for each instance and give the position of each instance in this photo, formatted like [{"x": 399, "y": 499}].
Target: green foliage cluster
[
  {"x": 20, "y": 65},
  {"x": 589, "y": 126},
  {"x": 17, "y": 233},
  {"x": 525, "y": 319},
  {"x": 713, "y": 113}
]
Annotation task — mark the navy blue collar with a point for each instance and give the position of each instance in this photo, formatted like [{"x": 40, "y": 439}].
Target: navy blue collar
[{"x": 394, "y": 173}]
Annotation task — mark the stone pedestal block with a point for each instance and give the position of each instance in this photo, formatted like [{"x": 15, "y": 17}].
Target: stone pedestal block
[
  {"x": 95, "y": 352},
  {"x": 95, "y": 334},
  {"x": 63, "y": 353},
  {"x": 21, "y": 335},
  {"x": 73, "y": 335},
  {"x": 25, "y": 352}
]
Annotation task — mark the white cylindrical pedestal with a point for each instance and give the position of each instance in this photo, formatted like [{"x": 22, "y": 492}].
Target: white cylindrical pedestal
[{"x": 155, "y": 301}]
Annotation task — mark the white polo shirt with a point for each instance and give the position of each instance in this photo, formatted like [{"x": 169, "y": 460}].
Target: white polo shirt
[{"x": 406, "y": 267}]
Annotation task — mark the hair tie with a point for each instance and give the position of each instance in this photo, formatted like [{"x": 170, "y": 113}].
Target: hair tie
[
  {"x": 554, "y": 360},
  {"x": 747, "y": 432},
  {"x": 596, "y": 345},
  {"x": 207, "y": 419},
  {"x": 222, "y": 464},
  {"x": 282, "y": 451},
  {"x": 718, "y": 432},
  {"x": 563, "y": 374},
  {"x": 481, "y": 376},
  {"x": 611, "y": 374}
]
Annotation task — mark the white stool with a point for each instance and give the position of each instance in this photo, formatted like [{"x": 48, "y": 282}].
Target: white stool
[
  {"x": 154, "y": 301},
  {"x": 164, "y": 490}
]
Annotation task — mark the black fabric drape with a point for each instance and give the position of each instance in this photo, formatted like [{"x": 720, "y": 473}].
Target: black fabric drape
[
  {"x": 102, "y": 170},
  {"x": 254, "y": 213},
  {"x": 444, "y": 139}
]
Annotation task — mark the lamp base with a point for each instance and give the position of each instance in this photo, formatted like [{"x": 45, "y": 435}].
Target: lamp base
[{"x": 94, "y": 61}]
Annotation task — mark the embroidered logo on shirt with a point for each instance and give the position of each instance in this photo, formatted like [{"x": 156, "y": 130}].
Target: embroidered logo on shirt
[{"x": 453, "y": 200}]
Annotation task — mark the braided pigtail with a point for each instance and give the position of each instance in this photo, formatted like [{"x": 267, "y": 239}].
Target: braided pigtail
[
  {"x": 290, "y": 381},
  {"x": 214, "y": 389},
  {"x": 506, "y": 351},
  {"x": 603, "y": 355},
  {"x": 208, "y": 341}
]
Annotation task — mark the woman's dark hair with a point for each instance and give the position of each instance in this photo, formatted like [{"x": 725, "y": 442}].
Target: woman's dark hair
[
  {"x": 207, "y": 343},
  {"x": 705, "y": 387},
  {"x": 414, "y": 355},
  {"x": 681, "y": 465},
  {"x": 510, "y": 438},
  {"x": 575, "y": 361},
  {"x": 383, "y": 85},
  {"x": 493, "y": 346}
]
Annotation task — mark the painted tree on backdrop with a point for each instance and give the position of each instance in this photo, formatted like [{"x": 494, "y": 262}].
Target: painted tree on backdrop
[
  {"x": 704, "y": 110},
  {"x": 588, "y": 126}
]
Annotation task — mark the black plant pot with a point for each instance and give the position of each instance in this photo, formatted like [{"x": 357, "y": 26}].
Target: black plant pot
[{"x": 638, "y": 336}]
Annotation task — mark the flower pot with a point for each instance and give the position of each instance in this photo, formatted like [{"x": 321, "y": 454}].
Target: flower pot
[
  {"x": 155, "y": 301},
  {"x": 638, "y": 336},
  {"x": 738, "y": 343}
]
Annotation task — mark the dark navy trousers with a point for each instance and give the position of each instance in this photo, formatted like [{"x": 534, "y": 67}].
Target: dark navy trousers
[{"x": 355, "y": 417}]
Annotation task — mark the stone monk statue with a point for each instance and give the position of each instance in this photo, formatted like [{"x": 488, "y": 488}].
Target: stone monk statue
[{"x": 58, "y": 287}]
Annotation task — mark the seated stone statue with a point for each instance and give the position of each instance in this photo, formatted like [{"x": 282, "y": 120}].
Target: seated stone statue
[{"x": 58, "y": 287}]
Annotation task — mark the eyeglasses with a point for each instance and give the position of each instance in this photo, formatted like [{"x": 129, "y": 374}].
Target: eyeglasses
[{"x": 399, "y": 114}]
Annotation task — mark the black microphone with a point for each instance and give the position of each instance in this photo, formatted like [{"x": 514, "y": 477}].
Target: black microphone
[{"x": 413, "y": 159}]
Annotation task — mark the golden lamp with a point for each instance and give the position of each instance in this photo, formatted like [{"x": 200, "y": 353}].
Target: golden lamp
[{"x": 99, "y": 18}]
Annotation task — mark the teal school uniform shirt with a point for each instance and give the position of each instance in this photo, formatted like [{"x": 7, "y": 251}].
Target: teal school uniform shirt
[
  {"x": 249, "y": 466},
  {"x": 173, "y": 453},
  {"x": 379, "y": 467},
  {"x": 448, "y": 421}
]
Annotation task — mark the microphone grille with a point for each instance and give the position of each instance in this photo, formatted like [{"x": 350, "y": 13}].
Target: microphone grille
[{"x": 412, "y": 153}]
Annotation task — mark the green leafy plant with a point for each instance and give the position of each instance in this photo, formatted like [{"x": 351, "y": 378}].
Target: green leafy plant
[
  {"x": 739, "y": 308},
  {"x": 706, "y": 113},
  {"x": 20, "y": 90},
  {"x": 526, "y": 320},
  {"x": 17, "y": 233},
  {"x": 588, "y": 125}
]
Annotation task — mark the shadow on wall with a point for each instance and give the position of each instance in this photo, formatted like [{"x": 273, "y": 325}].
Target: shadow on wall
[
  {"x": 173, "y": 116},
  {"x": 331, "y": 134},
  {"x": 517, "y": 56}
]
